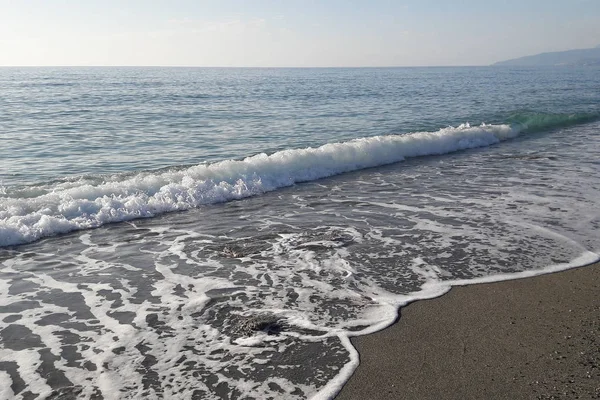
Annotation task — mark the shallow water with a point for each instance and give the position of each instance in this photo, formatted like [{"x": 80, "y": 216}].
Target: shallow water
[{"x": 253, "y": 293}]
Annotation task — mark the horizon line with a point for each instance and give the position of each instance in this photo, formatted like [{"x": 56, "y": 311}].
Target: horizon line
[{"x": 247, "y": 67}]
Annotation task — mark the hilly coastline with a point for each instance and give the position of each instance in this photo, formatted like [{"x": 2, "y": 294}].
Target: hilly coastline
[{"x": 569, "y": 57}]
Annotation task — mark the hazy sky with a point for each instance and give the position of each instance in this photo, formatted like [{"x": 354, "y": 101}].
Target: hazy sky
[{"x": 290, "y": 33}]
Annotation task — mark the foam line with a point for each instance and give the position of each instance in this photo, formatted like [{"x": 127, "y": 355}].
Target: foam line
[{"x": 430, "y": 290}]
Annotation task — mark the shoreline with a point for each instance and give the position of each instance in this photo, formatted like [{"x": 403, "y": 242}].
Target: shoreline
[{"x": 530, "y": 338}]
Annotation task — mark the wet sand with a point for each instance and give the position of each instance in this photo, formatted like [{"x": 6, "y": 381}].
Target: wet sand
[{"x": 533, "y": 338}]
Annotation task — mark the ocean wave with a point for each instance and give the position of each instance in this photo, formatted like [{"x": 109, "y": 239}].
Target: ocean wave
[
  {"x": 31, "y": 213},
  {"x": 530, "y": 122}
]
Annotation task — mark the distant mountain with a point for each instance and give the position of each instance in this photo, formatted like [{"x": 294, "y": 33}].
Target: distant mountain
[{"x": 569, "y": 57}]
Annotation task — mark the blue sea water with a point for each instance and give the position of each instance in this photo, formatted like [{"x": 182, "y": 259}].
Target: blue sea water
[{"x": 222, "y": 233}]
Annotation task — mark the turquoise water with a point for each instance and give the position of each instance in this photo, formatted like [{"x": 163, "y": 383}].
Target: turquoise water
[
  {"x": 67, "y": 122},
  {"x": 313, "y": 204}
]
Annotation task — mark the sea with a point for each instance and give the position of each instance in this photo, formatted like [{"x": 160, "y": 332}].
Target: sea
[{"x": 222, "y": 233}]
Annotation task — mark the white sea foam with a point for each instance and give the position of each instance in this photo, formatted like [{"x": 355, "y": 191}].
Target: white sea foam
[
  {"x": 114, "y": 347},
  {"x": 67, "y": 207},
  {"x": 5, "y": 383}
]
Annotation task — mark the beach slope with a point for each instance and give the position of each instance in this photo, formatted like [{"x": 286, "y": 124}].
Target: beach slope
[{"x": 533, "y": 338}]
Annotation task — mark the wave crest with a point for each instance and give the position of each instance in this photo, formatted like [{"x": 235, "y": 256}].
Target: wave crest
[
  {"x": 69, "y": 206},
  {"x": 530, "y": 122}
]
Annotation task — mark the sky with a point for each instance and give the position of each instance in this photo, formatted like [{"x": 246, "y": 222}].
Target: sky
[{"x": 290, "y": 33}]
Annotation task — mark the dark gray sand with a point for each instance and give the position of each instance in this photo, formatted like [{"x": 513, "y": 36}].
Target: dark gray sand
[{"x": 534, "y": 338}]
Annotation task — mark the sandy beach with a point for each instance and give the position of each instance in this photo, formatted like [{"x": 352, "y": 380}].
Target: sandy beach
[{"x": 533, "y": 338}]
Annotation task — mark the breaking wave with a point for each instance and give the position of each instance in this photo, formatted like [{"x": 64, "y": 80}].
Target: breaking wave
[{"x": 30, "y": 213}]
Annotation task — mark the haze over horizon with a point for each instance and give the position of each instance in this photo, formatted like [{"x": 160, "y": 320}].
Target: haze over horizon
[{"x": 266, "y": 33}]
